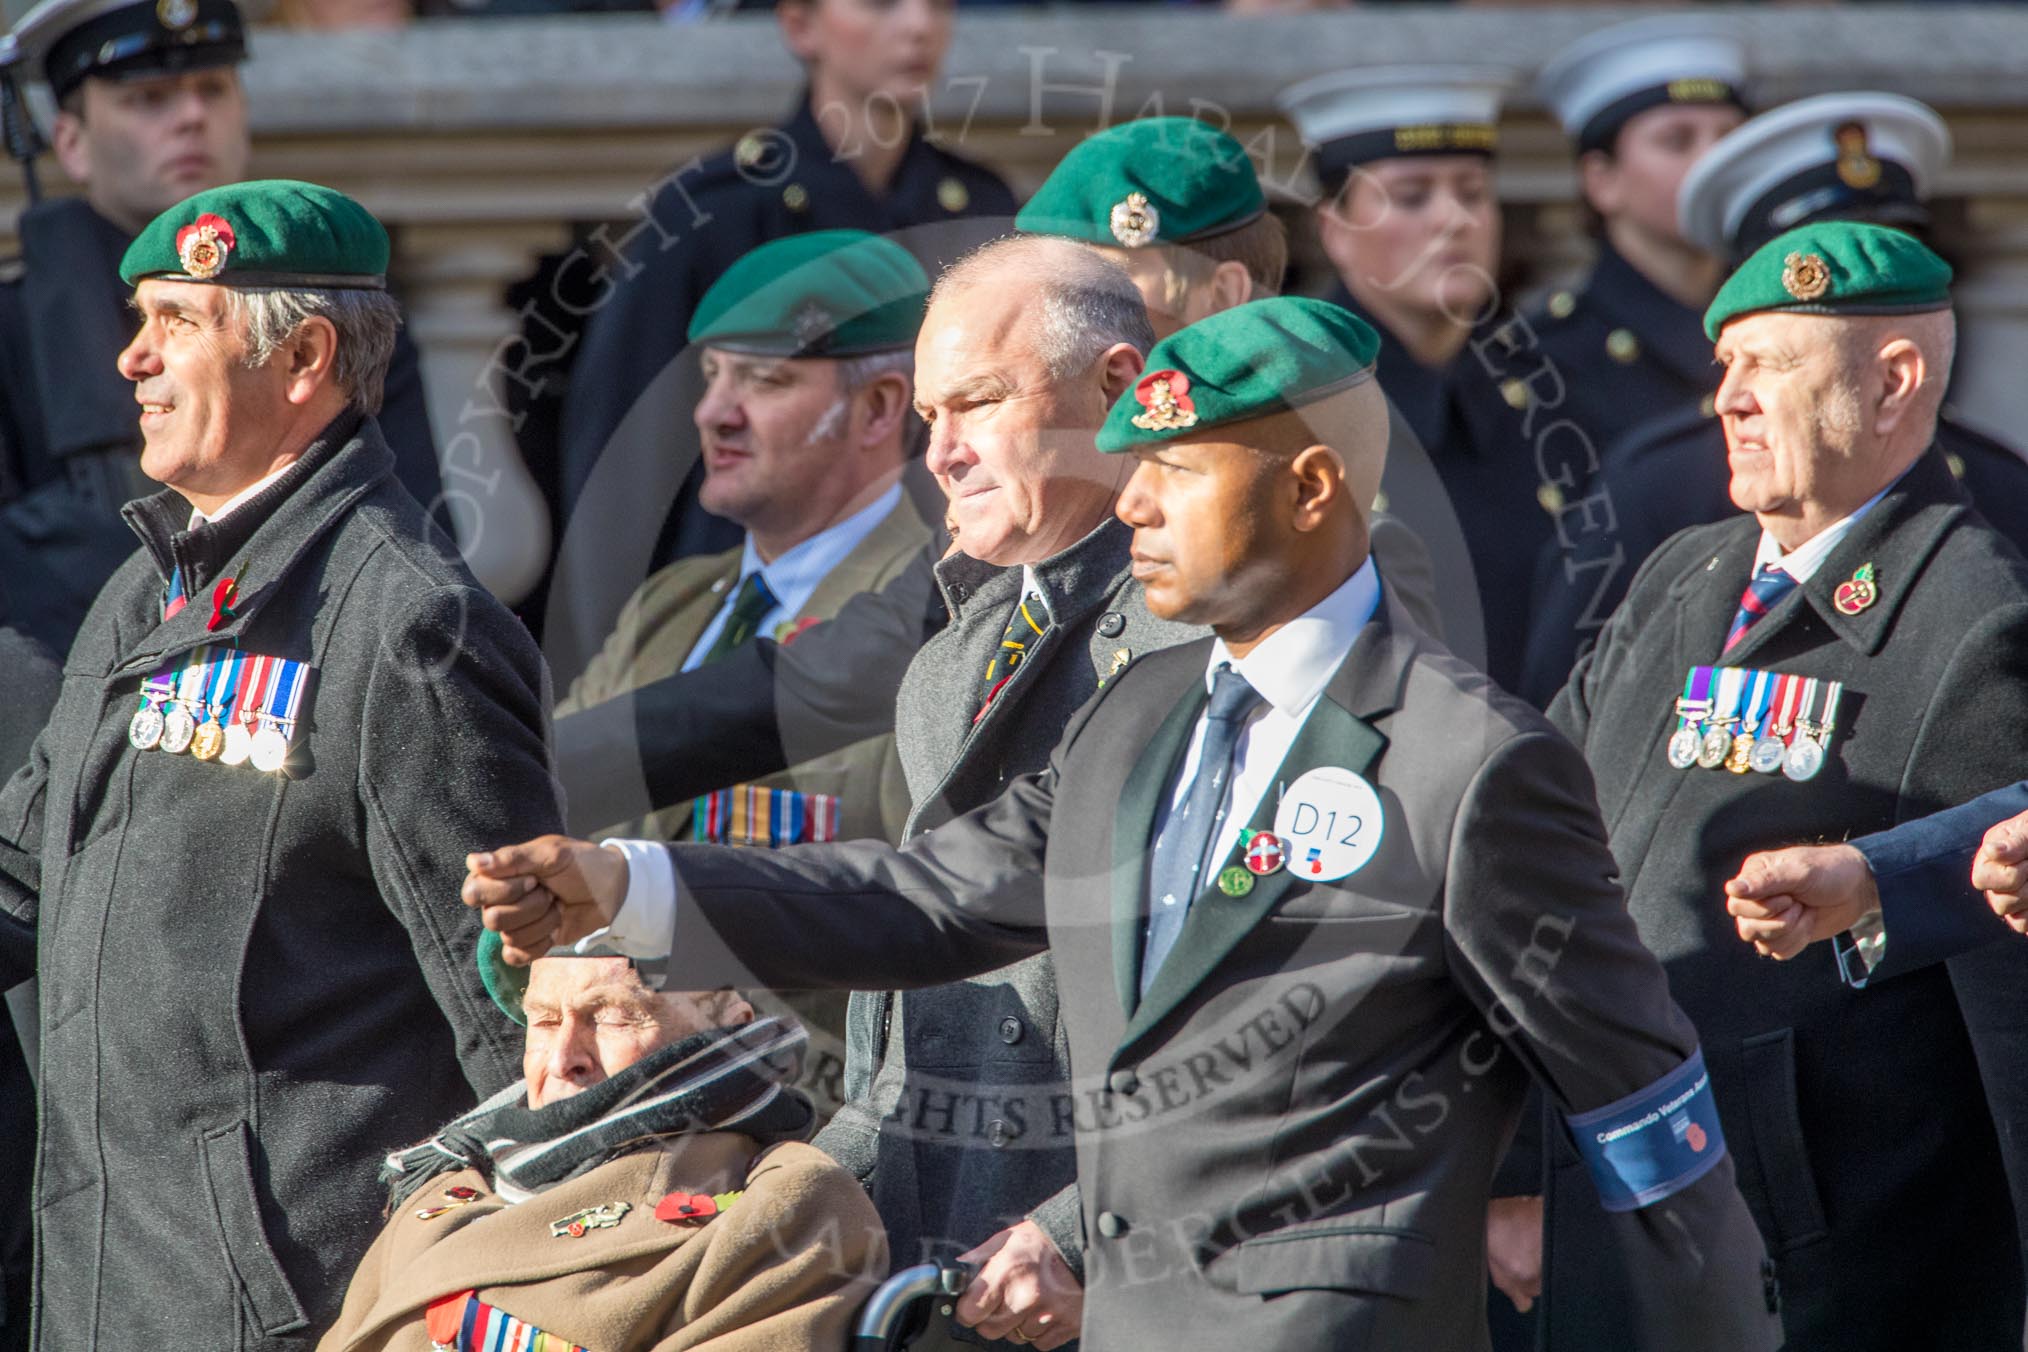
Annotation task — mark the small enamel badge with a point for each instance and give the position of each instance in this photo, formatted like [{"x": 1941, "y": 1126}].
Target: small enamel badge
[
  {"x": 1857, "y": 167},
  {"x": 1805, "y": 276},
  {"x": 204, "y": 246},
  {"x": 1265, "y": 855},
  {"x": 1235, "y": 881},
  {"x": 579, "y": 1224},
  {"x": 1134, "y": 220},
  {"x": 1166, "y": 396},
  {"x": 1856, "y": 592},
  {"x": 687, "y": 1208}
]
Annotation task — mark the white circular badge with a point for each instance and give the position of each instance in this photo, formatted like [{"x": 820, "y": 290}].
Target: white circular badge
[{"x": 1330, "y": 824}]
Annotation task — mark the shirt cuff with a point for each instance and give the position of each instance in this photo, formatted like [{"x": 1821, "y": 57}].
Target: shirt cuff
[
  {"x": 1861, "y": 948},
  {"x": 646, "y": 921}
]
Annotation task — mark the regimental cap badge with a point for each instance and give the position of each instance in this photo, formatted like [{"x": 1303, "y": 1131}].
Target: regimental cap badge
[
  {"x": 1856, "y": 592},
  {"x": 1857, "y": 167},
  {"x": 1805, "y": 276},
  {"x": 1166, "y": 397},
  {"x": 580, "y": 1223},
  {"x": 1135, "y": 221},
  {"x": 204, "y": 246},
  {"x": 176, "y": 15},
  {"x": 811, "y": 325}
]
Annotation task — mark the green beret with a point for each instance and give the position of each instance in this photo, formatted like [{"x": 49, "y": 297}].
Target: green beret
[
  {"x": 828, "y": 293},
  {"x": 1160, "y": 180},
  {"x": 507, "y": 984},
  {"x": 1261, "y": 358},
  {"x": 270, "y": 232},
  {"x": 1834, "y": 268}
]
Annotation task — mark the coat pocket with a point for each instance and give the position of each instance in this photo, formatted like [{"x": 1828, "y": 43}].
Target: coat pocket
[
  {"x": 263, "y": 1286},
  {"x": 1793, "y": 1204},
  {"x": 1386, "y": 1261}
]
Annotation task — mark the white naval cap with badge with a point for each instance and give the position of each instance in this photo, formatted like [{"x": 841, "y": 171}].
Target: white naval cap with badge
[
  {"x": 64, "y": 41},
  {"x": 1354, "y": 117},
  {"x": 1598, "y": 84},
  {"x": 1867, "y": 156}
]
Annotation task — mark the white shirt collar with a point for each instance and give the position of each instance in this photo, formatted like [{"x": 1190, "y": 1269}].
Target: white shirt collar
[
  {"x": 237, "y": 500},
  {"x": 1802, "y": 562},
  {"x": 1291, "y": 666}
]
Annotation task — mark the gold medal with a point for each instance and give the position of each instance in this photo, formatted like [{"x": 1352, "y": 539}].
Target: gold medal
[{"x": 207, "y": 741}]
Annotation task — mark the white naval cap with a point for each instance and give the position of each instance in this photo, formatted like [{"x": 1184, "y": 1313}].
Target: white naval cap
[
  {"x": 1597, "y": 84},
  {"x": 1352, "y": 117},
  {"x": 1864, "y": 156}
]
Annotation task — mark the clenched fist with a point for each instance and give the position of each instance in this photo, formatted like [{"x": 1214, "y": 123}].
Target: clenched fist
[{"x": 548, "y": 891}]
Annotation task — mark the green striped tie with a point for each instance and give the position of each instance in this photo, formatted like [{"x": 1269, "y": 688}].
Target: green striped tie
[{"x": 741, "y": 622}]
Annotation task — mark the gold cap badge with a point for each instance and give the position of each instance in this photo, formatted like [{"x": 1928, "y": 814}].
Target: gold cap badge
[
  {"x": 1857, "y": 168},
  {"x": 1805, "y": 276},
  {"x": 176, "y": 15},
  {"x": 1165, "y": 394},
  {"x": 203, "y": 246},
  {"x": 1135, "y": 221}
]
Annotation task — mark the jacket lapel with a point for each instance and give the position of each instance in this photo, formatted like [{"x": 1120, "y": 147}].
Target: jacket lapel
[
  {"x": 1368, "y": 681},
  {"x": 1707, "y": 597}
]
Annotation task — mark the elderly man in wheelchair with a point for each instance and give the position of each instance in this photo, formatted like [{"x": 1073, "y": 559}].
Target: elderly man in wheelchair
[{"x": 646, "y": 1186}]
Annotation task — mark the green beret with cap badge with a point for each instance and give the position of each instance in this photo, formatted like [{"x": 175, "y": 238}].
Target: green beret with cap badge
[
  {"x": 266, "y": 233},
  {"x": 826, "y": 293},
  {"x": 1252, "y": 361},
  {"x": 1834, "y": 268},
  {"x": 1157, "y": 180}
]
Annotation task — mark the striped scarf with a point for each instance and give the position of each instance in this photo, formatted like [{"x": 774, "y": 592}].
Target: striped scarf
[{"x": 725, "y": 1079}]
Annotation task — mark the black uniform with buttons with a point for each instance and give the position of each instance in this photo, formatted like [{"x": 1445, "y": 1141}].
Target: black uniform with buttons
[{"x": 625, "y": 446}]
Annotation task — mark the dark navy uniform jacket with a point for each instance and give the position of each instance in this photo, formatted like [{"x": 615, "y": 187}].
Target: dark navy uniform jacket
[
  {"x": 70, "y": 436},
  {"x": 626, "y": 446}
]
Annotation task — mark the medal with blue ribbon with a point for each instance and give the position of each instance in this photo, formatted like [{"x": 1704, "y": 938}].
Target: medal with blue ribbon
[
  {"x": 1692, "y": 708},
  {"x": 277, "y": 714}
]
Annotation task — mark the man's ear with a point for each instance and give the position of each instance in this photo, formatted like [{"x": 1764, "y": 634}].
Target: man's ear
[
  {"x": 1119, "y": 368},
  {"x": 1598, "y": 180},
  {"x": 67, "y": 139},
  {"x": 312, "y": 355},
  {"x": 1902, "y": 370},
  {"x": 1231, "y": 285},
  {"x": 884, "y": 408},
  {"x": 1321, "y": 492}
]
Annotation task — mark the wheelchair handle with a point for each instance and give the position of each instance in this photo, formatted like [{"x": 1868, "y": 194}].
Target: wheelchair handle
[{"x": 885, "y": 1323}]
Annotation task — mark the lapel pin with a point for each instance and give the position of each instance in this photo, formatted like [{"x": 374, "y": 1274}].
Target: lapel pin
[
  {"x": 580, "y": 1223},
  {"x": 1857, "y": 592},
  {"x": 1264, "y": 854},
  {"x": 1235, "y": 881},
  {"x": 684, "y": 1208}
]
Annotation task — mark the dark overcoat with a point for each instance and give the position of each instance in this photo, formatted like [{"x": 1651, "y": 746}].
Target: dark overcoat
[
  {"x": 252, "y": 984},
  {"x": 1865, "y": 1143}
]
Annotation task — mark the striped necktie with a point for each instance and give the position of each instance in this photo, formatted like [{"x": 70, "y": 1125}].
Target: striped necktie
[
  {"x": 1028, "y": 623},
  {"x": 1770, "y": 584},
  {"x": 743, "y": 620}
]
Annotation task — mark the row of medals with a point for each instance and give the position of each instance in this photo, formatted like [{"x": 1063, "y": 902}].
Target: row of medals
[
  {"x": 1714, "y": 748},
  {"x": 178, "y": 731}
]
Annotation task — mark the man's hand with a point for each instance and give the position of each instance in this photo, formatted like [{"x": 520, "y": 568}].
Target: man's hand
[
  {"x": 551, "y": 890},
  {"x": 1024, "y": 1291},
  {"x": 2000, "y": 869},
  {"x": 1786, "y": 900},
  {"x": 1514, "y": 1248}
]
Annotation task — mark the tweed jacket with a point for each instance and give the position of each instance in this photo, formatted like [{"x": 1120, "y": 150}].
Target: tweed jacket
[
  {"x": 250, "y": 982},
  {"x": 1860, "y": 1119},
  {"x": 662, "y": 622},
  {"x": 782, "y": 1269},
  {"x": 1288, "y": 1140}
]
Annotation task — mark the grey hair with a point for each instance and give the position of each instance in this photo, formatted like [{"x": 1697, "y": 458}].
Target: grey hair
[
  {"x": 1088, "y": 302},
  {"x": 366, "y": 322},
  {"x": 854, "y": 375}
]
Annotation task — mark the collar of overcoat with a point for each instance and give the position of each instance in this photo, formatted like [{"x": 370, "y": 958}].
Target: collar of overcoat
[
  {"x": 1339, "y": 732},
  {"x": 1897, "y": 538}
]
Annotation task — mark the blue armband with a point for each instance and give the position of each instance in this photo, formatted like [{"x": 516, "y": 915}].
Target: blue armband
[{"x": 1653, "y": 1142}]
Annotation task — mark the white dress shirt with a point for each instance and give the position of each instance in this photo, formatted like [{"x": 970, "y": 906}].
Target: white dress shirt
[
  {"x": 794, "y": 577},
  {"x": 1290, "y": 668},
  {"x": 1802, "y": 562},
  {"x": 239, "y": 499}
]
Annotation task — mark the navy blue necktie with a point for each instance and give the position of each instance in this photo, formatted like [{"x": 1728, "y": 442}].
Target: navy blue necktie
[{"x": 1175, "y": 870}]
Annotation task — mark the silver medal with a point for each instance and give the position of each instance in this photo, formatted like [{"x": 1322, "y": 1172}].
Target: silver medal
[
  {"x": 238, "y": 744},
  {"x": 1716, "y": 747},
  {"x": 1805, "y": 758},
  {"x": 270, "y": 749},
  {"x": 178, "y": 727},
  {"x": 1767, "y": 756},
  {"x": 1683, "y": 748},
  {"x": 145, "y": 731}
]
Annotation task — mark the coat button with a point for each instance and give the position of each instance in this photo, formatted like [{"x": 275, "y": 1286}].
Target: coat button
[
  {"x": 1112, "y": 624},
  {"x": 1124, "y": 1082},
  {"x": 1111, "y": 1224},
  {"x": 1010, "y": 1027},
  {"x": 996, "y": 1133}
]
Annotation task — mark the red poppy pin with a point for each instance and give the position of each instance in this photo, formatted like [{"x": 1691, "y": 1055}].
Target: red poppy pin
[
  {"x": 222, "y": 598},
  {"x": 204, "y": 245},
  {"x": 1856, "y": 592},
  {"x": 682, "y": 1208},
  {"x": 1166, "y": 397},
  {"x": 1695, "y": 1136}
]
